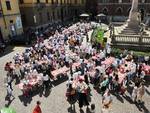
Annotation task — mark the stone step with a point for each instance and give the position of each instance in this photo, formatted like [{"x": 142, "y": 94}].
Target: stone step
[
  {"x": 133, "y": 30},
  {"x": 127, "y": 33},
  {"x": 132, "y": 46}
]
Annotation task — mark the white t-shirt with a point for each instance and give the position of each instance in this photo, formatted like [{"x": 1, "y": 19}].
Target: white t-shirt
[
  {"x": 107, "y": 99},
  {"x": 45, "y": 78}
]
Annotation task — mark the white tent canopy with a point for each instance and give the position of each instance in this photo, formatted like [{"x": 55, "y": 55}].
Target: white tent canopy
[
  {"x": 101, "y": 14},
  {"x": 84, "y": 15}
]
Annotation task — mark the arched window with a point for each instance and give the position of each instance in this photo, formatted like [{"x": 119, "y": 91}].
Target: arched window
[
  {"x": 142, "y": 12},
  {"x": 119, "y": 11},
  {"x": 105, "y": 11}
]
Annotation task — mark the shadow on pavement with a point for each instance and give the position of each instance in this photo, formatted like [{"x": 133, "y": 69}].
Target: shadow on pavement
[
  {"x": 10, "y": 49},
  {"x": 81, "y": 111},
  {"x": 148, "y": 92},
  {"x": 9, "y": 100},
  {"x": 59, "y": 80},
  {"x": 141, "y": 107},
  {"x": 25, "y": 100},
  {"x": 88, "y": 110},
  {"x": 128, "y": 99},
  {"x": 72, "y": 109},
  {"x": 47, "y": 92},
  {"x": 7, "y": 50},
  {"x": 118, "y": 97},
  {"x": 37, "y": 91}
]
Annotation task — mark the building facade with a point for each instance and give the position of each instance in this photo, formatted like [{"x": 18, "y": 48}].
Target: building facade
[
  {"x": 40, "y": 13},
  {"x": 91, "y": 7},
  {"x": 10, "y": 19},
  {"x": 121, "y": 8}
]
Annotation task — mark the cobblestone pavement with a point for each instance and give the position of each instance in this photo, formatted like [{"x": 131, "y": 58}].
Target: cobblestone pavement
[{"x": 56, "y": 101}]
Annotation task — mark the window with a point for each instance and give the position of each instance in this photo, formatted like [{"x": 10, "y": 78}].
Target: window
[
  {"x": 52, "y": 1},
  {"x": 40, "y": 17},
  {"x": 82, "y": 1},
  {"x": 8, "y": 5},
  {"x": 11, "y": 21},
  {"x": 60, "y": 1},
  {"x": 56, "y": 1},
  {"x": 119, "y": 11},
  {"x": 75, "y": 1},
  {"x": 48, "y": 16},
  {"x": 58, "y": 14},
  {"x": 23, "y": 17},
  {"x": 1, "y": 14},
  {"x": 53, "y": 15},
  {"x": 38, "y": 1},
  {"x": 105, "y": 11},
  {"x": 21, "y": 1}
]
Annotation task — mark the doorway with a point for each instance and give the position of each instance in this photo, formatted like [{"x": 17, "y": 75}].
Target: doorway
[
  {"x": 62, "y": 14},
  {"x": 142, "y": 12},
  {"x": 13, "y": 30},
  {"x": 1, "y": 36}
]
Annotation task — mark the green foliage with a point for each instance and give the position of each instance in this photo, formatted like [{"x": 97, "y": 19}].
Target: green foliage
[
  {"x": 117, "y": 52},
  {"x": 98, "y": 35}
]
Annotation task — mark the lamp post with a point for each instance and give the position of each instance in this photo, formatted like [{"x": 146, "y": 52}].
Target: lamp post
[
  {"x": 111, "y": 29},
  {"x": 141, "y": 33}
]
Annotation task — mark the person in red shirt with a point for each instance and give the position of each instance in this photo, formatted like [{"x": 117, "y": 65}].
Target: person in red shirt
[{"x": 37, "y": 109}]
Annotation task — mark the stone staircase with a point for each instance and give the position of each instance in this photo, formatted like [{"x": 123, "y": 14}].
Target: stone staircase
[
  {"x": 132, "y": 31},
  {"x": 130, "y": 38}
]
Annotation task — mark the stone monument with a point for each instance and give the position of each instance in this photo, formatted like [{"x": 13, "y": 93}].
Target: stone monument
[
  {"x": 132, "y": 26},
  {"x": 134, "y": 21},
  {"x": 132, "y": 34}
]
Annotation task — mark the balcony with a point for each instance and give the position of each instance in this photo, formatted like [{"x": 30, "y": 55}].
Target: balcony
[
  {"x": 99, "y": 3},
  {"x": 41, "y": 5}
]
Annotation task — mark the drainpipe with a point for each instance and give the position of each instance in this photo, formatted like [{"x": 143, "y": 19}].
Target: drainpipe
[{"x": 3, "y": 15}]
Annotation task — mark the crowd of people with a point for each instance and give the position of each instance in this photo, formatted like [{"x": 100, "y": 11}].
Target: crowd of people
[{"x": 70, "y": 53}]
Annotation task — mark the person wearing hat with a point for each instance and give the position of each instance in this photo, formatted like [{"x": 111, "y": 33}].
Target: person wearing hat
[
  {"x": 82, "y": 91},
  {"x": 37, "y": 108}
]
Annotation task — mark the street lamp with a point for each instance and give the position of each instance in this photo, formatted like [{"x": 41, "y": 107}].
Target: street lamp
[{"x": 141, "y": 33}]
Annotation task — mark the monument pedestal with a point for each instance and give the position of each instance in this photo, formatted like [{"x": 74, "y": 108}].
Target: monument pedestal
[
  {"x": 133, "y": 21},
  {"x": 132, "y": 35}
]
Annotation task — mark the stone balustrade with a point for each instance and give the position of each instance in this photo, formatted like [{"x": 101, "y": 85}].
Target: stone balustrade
[{"x": 123, "y": 39}]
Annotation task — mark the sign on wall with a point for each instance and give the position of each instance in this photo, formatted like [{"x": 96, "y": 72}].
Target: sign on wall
[{"x": 18, "y": 23}]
